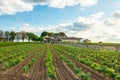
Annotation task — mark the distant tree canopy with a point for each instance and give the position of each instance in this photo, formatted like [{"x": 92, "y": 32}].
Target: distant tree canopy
[
  {"x": 12, "y": 35},
  {"x": 7, "y": 35},
  {"x": 23, "y": 35},
  {"x": 51, "y": 34},
  {"x": 41, "y": 38},
  {"x": 32, "y": 36}
]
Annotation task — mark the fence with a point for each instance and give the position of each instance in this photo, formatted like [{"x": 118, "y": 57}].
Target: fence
[{"x": 98, "y": 47}]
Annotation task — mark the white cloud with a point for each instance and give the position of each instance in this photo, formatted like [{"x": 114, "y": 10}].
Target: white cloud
[
  {"x": 114, "y": 19},
  {"x": 116, "y": 14},
  {"x": 63, "y": 3},
  {"x": 86, "y": 3},
  {"x": 92, "y": 27},
  {"x": 29, "y": 28},
  {"x": 13, "y": 6},
  {"x": 107, "y": 30},
  {"x": 83, "y": 23}
]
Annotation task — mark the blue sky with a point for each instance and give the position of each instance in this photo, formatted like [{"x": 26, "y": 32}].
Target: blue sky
[{"x": 93, "y": 19}]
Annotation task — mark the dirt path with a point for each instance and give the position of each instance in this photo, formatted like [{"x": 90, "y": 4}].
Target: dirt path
[
  {"x": 38, "y": 71},
  {"x": 86, "y": 69},
  {"x": 63, "y": 71}
]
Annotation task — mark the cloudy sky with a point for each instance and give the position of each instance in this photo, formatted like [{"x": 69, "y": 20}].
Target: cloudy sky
[{"x": 97, "y": 20}]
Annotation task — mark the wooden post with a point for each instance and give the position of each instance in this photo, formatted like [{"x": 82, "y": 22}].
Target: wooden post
[
  {"x": 116, "y": 48},
  {"x": 102, "y": 47}
]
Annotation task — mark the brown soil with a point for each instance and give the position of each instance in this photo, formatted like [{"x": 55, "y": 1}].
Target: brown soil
[
  {"x": 1, "y": 68},
  {"x": 95, "y": 75},
  {"x": 38, "y": 71},
  {"x": 14, "y": 77},
  {"x": 63, "y": 71},
  {"x": 17, "y": 70}
]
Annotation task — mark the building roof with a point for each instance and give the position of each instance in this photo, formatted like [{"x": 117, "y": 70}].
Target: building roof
[
  {"x": 71, "y": 38},
  {"x": 53, "y": 39}
]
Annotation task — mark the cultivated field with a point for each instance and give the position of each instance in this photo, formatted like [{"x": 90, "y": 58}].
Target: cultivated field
[{"x": 57, "y": 62}]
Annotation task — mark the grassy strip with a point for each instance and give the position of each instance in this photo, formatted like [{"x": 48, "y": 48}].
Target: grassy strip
[{"x": 3, "y": 44}]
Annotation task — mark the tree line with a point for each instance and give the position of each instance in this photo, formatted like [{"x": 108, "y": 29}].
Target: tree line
[
  {"x": 52, "y": 34},
  {"x": 11, "y": 35}
]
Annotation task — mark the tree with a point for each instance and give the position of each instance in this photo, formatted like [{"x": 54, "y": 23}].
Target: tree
[
  {"x": 32, "y": 36},
  {"x": 29, "y": 35},
  {"x": 17, "y": 36},
  {"x": 7, "y": 35},
  {"x": 62, "y": 34},
  {"x": 12, "y": 35},
  {"x": 50, "y": 34},
  {"x": 35, "y": 37},
  {"x": 56, "y": 35},
  {"x": 41, "y": 39},
  {"x": 44, "y": 33},
  {"x": 23, "y": 35}
]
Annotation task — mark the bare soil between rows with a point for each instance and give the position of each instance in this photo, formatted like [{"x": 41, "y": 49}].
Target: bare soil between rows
[
  {"x": 39, "y": 70},
  {"x": 63, "y": 71},
  {"x": 16, "y": 72},
  {"x": 95, "y": 75}
]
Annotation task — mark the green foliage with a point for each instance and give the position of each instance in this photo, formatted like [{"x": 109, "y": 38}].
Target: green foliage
[
  {"x": 49, "y": 63},
  {"x": 3, "y": 44},
  {"x": 12, "y": 35},
  {"x": 106, "y": 62},
  {"x": 78, "y": 71},
  {"x": 27, "y": 67},
  {"x": 12, "y": 55},
  {"x": 7, "y": 35},
  {"x": 41, "y": 38},
  {"x": 44, "y": 33},
  {"x": 51, "y": 34},
  {"x": 23, "y": 35},
  {"x": 32, "y": 36}
]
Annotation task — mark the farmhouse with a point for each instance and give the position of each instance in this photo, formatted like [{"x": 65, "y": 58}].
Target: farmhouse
[
  {"x": 66, "y": 40},
  {"x": 59, "y": 40},
  {"x": 52, "y": 40},
  {"x": 71, "y": 39}
]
